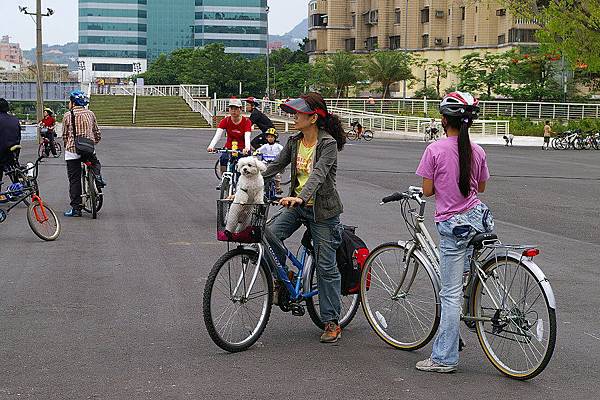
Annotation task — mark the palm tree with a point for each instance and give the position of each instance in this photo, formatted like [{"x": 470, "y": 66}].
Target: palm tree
[
  {"x": 339, "y": 70},
  {"x": 387, "y": 67}
]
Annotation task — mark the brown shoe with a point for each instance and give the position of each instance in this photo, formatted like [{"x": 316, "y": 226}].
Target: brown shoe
[{"x": 332, "y": 333}]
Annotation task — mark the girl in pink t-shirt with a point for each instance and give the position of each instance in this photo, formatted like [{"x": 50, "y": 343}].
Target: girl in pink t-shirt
[{"x": 455, "y": 170}]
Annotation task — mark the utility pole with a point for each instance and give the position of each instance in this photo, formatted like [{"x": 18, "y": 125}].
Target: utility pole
[
  {"x": 38, "y": 55},
  {"x": 268, "y": 76},
  {"x": 405, "y": 45}
]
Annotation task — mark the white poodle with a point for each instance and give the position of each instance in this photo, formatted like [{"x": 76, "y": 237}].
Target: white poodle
[{"x": 250, "y": 190}]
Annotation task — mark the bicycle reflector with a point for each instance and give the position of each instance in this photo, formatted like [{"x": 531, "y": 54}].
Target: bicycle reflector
[{"x": 531, "y": 252}]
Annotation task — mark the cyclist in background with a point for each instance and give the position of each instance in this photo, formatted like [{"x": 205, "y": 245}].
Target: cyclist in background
[
  {"x": 269, "y": 152},
  {"x": 48, "y": 124},
  {"x": 10, "y": 135},
  {"x": 259, "y": 119},
  {"x": 238, "y": 129},
  {"x": 455, "y": 171},
  {"x": 87, "y": 127},
  {"x": 547, "y": 134}
]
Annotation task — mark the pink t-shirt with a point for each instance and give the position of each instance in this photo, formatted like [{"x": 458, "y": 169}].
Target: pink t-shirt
[{"x": 440, "y": 163}]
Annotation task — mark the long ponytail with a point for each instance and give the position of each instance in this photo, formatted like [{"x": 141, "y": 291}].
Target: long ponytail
[
  {"x": 465, "y": 152},
  {"x": 328, "y": 122}
]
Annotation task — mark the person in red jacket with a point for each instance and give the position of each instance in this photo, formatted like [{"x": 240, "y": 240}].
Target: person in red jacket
[{"x": 48, "y": 125}]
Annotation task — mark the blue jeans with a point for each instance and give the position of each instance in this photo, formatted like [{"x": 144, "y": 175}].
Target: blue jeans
[
  {"x": 326, "y": 237},
  {"x": 455, "y": 234}
]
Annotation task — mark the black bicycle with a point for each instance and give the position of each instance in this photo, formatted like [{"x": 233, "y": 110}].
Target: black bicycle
[{"x": 92, "y": 196}]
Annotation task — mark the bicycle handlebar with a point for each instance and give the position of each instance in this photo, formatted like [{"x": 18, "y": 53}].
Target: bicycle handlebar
[{"x": 413, "y": 192}]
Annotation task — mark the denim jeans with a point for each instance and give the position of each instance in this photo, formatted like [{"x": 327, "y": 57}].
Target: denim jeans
[
  {"x": 455, "y": 234},
  {"x": 326, "y": 237}
]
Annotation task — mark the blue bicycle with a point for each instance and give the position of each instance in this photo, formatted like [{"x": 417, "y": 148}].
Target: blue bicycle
[{"x": 239, "y": 292}]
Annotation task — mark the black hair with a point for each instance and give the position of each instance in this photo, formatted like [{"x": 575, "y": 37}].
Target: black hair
[
  {"x": 330, "y": 123},
  {"x": 547, "y": 122},
  {"x": 4, "y": 106},
  {"x": 465, "y": 152}
]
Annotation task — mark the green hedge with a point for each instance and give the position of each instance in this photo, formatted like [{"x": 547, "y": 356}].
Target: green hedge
[{"x": 526, "y": 127}]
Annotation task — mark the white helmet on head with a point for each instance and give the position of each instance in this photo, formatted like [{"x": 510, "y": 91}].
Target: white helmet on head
[
  {"x": 460, "y": 104},
  {"x": 235, "y": 102}
]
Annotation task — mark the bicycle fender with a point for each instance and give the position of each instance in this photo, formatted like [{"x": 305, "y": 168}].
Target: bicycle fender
[{"x": 536, "y": 271}]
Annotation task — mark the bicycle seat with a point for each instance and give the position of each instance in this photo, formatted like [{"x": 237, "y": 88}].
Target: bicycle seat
[
  {"x": 15, "y": 147},
  {"x": 477, "y": 241}
]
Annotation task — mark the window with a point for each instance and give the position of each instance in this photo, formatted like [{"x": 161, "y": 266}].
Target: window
[
  {"x": 425, "y": 15},
  {"x": 313, "y": 6},
  {"x": 501, "y": 12},
  {"x": 522, "y": 35},
  {"x": 502, "y": 39},
  {"x": 395, "y": 42},
  {"x": 350, "y": 44},
  {"x": 371, "y": 17},
  {"x": 463, "y": 13},
  {"x": 475, "y": 9},
  {"x": 425, "y": 42},
  {"x": 475, "y": 38},
  {"x": 317, "y": 21},
  {"x": 371, "y": 43},
  {"x": 112, "y": 67},
  {"x": 353, "y": 20},
  {"x": 460, "y": 40},
  {"x": 397, "y": 16},
  {"x": 311, "y": 46},
  {"x": 439, "y": 13}
]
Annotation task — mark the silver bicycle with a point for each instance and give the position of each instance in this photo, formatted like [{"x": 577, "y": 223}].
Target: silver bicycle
[{"x": 508, "y": 301}]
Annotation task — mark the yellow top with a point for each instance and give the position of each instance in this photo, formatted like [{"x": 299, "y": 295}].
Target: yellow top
[{"x": 304, "y": 166}]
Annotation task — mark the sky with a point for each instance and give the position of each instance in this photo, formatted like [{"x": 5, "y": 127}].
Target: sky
[{"x": 61, "y": 27}]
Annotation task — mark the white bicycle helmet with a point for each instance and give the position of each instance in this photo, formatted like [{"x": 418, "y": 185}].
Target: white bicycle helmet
[{"x": 460, "y": 104}]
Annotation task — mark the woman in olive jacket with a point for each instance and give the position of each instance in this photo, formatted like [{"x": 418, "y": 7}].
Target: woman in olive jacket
[{"x": 313, "y": 199}]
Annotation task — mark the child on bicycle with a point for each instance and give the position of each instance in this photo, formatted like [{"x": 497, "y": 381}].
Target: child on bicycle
[
  {"x": 455, "y": 170},
  {"x": 357, "y": 127},
  {"x": 269, "y": 153}
]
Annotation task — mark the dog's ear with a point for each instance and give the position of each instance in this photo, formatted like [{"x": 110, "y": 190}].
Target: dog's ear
[
  {"x": 262, "y": 167},
  {"x": 239, "y": 165}
]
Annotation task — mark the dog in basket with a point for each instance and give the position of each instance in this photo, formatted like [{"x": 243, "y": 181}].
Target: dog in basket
[{"x": 250, "y": 191}]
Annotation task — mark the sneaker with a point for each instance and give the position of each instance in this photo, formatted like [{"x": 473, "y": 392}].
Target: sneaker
[
  {"x": 219, "y": 187},
  {"x": 429, "y": 365},
  {"x": 72, "y": 213},
  {"x": 100, "y": 183},
  {"x": 332, "y": 333},
  {"x": 3, "y": 199}
]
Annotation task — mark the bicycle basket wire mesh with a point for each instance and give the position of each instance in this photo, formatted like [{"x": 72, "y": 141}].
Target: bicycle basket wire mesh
[{"x": 241, "y": 223}]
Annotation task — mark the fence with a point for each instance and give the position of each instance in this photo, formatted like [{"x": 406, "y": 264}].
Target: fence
[
  {"x": 530, "y": 110},
  {"x": 381, "y": 122},
  {"x": 151, "y": 90},
  {"x": 27, "y": 91}
]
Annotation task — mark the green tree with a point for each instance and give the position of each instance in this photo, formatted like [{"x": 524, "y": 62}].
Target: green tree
[
  {"x": 338, "y": 72},
  {"x": 483, "y": 73},
  {"x": 439, "y": 69},
  {"x": 294, "y": 79},
  {"x": 567, "y": 27},
  {"x": 387, "y": 67}
]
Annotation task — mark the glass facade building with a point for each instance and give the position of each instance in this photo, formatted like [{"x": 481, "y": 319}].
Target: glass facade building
[{"x": 117, "y": 37}]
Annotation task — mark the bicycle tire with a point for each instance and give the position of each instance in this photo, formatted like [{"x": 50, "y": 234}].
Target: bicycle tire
[
  {"x": 42, "y": 150},
  {"x": 58, "y": 149},
  {"x": 392, "y": 329},
  {"x": 349, "y": 303},
  {"x": 218, "y": 172},
  {"x": 513, "y": 318},
  {"x": 35, "y": 212},
  {"x": 351, "y": 135},
  {"x": 555, "y": 143},
  {"x": 368, "y": 135},
  {"x": 211, "y": 295},
  {"x": 93, "y": 194},
  {"x": 223, "y": 206}
]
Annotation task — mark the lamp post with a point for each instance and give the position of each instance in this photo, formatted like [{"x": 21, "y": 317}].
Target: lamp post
[
  {"x": 268, "y": 76},
  {"x": 38, "y": 55},
  {"x": 81, "y": 67},
  {"x": 405, "y": 45}
]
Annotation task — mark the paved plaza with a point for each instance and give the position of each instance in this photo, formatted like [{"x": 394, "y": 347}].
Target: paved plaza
[{"x": 113, "y": 308}]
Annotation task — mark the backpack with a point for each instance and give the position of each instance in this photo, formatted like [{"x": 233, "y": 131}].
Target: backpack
[{"x": 351, "y": 257}]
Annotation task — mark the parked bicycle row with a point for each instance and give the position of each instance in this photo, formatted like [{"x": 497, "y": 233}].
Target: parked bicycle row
[
  {"x": 576, "y": 140},
  {"x": 409, "y": 289}
]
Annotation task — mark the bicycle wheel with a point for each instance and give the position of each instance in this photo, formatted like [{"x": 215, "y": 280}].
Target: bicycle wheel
[
  {"x": 236, "y": 314},
  {"x": 351, "y": 135},
  {"x": 349, "y": 303},
  {"x": 519, "y": 340},
  {"x": 409, "y": 319},
  {"x": 218, "y": 172},
  {"x": 89, "y": 193},
  {"x": 58, "y": 149},
  {"x": 368, "y": 135},
  {"x": 43, "y": 221},
  {"x": 223, "y": 206},
  {"x": 42, "y": 150}
]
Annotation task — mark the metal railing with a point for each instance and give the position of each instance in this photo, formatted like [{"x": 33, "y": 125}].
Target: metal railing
[
  {"x": 195, "y": 104},
  {"x": 379, "y": 121},
  {"x": 200, "y": 91},
  {"x": 500, "y": 108}
]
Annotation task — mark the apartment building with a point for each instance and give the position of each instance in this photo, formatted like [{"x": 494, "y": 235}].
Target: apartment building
[
  {"x": 436, "y": 29},
  {"x": 10, "y": 52}
]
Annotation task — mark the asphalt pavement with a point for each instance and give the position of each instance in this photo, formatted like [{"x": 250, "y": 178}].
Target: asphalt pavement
[{"x": 113, "y": 308}]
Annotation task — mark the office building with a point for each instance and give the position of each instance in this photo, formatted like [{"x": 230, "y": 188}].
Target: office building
[{"x": 118, "y": 38}]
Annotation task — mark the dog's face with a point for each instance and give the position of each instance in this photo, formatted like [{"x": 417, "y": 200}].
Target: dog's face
[{"x": 250, "y": 166}]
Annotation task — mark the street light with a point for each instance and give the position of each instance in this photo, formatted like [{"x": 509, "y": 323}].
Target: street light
[
  {"x": 38, "y": 54},
  {"x": 81, "y": 67}
]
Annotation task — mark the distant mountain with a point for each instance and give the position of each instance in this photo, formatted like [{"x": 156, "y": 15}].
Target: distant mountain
[
  {"x": 59, "y": 54},
  {"x": 293, "y": 37}
]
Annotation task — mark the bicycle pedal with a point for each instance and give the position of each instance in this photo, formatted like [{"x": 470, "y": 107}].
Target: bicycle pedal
[{"x": 297, "y": 310}]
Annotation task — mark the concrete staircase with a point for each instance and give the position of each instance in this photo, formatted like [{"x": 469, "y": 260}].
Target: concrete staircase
[{"x": 152, "y": 111}]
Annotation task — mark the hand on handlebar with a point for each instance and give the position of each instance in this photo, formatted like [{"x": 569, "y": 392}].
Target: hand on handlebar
[
  {"x": 210, "y": 149},
  {"x": 291, "y": 202}
]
